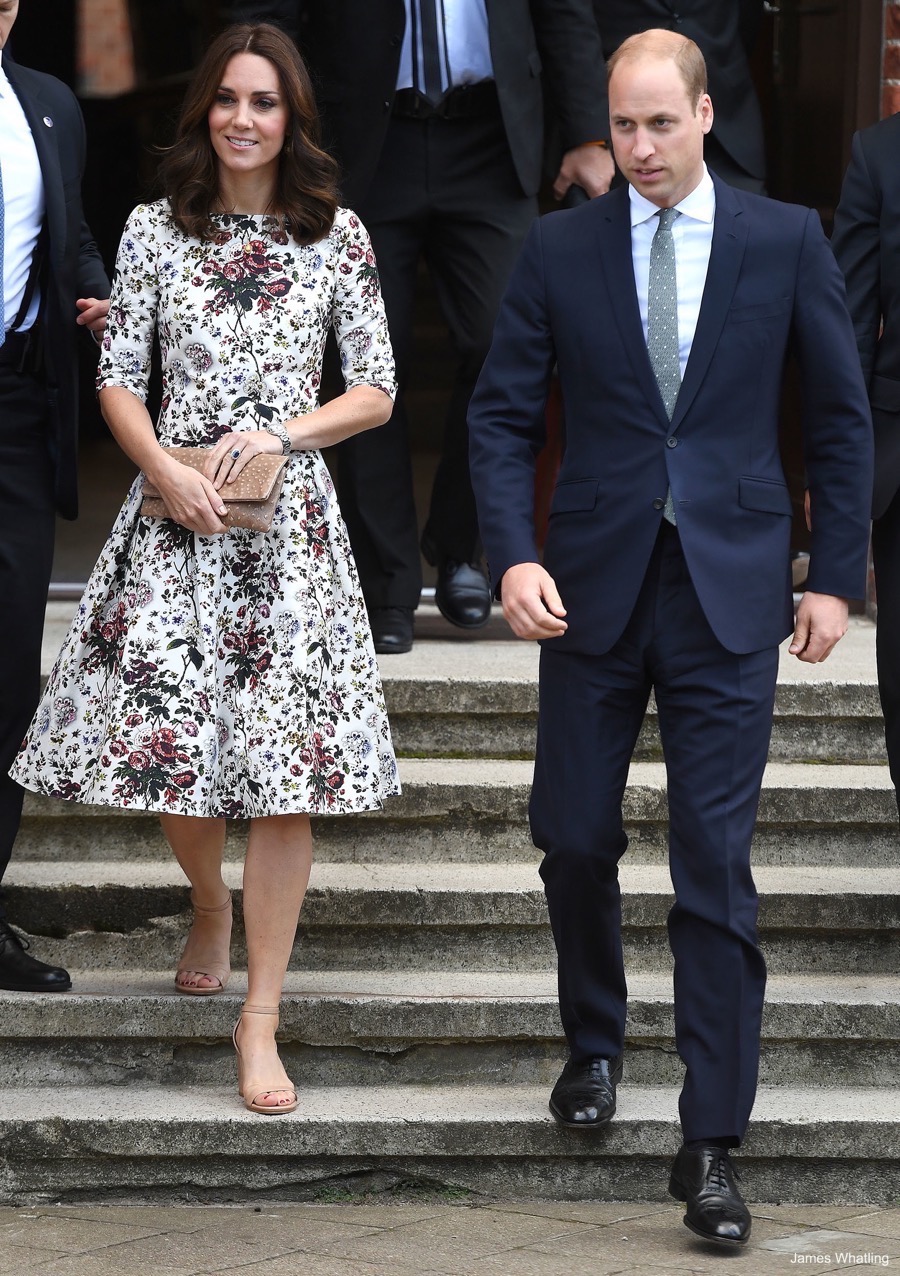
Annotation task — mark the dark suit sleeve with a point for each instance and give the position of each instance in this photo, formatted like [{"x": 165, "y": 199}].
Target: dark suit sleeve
[
  {"x": 91, "y": 278},
  {"x": 837, "y": 422},
  {"x": 856, "y": 244},
  {"x": 574, "y": 74},
  {"x": 506, "y": 415},
  {"x": 287, "y": 13}
]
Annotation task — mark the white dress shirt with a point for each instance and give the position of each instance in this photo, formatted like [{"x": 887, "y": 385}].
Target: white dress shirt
[
  {"x": 23, "y": 204},
  {"x": 465, "y": 44},
  {"x": 692, "y": 233}
]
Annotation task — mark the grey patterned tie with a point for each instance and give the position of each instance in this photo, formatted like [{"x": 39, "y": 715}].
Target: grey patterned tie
[{"x": 662, "y": 321}]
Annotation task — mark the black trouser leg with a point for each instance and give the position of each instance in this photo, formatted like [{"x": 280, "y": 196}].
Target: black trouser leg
[
  {"x": 886, "y": 558},
  {"x": 27, "y": 525}
]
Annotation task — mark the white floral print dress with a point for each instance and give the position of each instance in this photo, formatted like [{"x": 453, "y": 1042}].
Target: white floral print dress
[{"x": 227, "y": 675}]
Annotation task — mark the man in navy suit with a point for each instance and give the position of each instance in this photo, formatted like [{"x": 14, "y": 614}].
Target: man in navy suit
[
  {"x": 52, "y": 278},
  {"x": 669, "y": 306}
]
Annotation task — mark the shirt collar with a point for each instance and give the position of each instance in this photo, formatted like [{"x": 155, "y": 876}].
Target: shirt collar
[{"x": 700, "y": 204}]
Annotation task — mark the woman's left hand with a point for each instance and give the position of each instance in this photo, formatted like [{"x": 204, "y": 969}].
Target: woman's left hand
[{"x": 233, "y": 451}]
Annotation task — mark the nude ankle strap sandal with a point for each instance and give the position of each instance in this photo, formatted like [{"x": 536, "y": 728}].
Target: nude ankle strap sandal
[
  {"x": 211, "y": 969},
  {"x": 253, "y": 1102}
]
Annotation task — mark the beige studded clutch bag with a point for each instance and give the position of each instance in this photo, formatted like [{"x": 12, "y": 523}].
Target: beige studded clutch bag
[{"x": 249, "y": 501}]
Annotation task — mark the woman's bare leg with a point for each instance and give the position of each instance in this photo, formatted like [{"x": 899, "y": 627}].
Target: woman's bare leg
[
  {"x": 276, "y": 873},
  {"x": 198, "y": 845}
]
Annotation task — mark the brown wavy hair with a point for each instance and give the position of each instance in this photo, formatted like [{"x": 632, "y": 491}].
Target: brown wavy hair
[{"x": 306, "y": 193}]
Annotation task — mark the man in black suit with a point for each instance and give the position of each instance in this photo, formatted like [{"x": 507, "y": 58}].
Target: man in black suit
[
  {"x": 866, "y": 242},
  {"x": 725, "y": 34},
  {"x": 442, "y": 157},
  {"x": 47, "y": 261}
]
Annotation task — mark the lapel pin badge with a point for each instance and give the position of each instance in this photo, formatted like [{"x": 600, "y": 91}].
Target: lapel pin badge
[{"x": 48, "y": 121}]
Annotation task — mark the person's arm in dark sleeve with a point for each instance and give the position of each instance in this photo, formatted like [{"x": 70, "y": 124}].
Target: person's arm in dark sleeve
[
  {"x": 856, "y": 246},
  {"x": 575, "y": 81},
  {"x": 506, "y": 415}
]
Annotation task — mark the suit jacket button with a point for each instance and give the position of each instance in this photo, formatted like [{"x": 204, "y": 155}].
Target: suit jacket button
[
  {"x": 395, "y": 41},
  {"x": 659, "y": 503},
  {"x": 673, "y": 442}
]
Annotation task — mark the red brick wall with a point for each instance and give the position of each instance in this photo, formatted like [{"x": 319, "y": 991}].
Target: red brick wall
[{"x": 105, "y": 55}]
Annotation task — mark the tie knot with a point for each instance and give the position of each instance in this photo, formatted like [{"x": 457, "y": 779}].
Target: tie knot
[{"x": 666, "y": 218}]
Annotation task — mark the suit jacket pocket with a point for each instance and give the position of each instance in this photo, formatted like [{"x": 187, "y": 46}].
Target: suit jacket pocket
[
  {"x": 884, "y": 393},
  {"x": 768, "y": 496},
  {"x": 759, "y": 310},
  {"x": 574, "y": 495}
]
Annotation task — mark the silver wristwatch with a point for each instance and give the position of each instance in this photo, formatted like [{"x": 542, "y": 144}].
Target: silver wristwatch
[{"x": 276, "y": 428}]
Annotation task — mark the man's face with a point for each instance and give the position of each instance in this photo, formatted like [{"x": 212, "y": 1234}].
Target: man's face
[
  {"x": 657, "y": 135},
  {"x": 8, "y": 11}
]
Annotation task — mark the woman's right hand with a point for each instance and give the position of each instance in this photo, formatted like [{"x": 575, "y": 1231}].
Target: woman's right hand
[{"x": 190, "y": 498}]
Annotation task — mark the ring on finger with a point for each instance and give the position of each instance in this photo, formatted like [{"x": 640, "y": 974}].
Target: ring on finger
[{"x": 235, "y": 453}]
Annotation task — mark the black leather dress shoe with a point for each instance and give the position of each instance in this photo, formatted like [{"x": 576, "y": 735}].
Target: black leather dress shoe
[
  {"x": 585, "y": 1094},
  {"x": 705, "y": 1179},
  {"x": 392, "y": 629},
  {"x": 463, "y": 594},
  {"x": 20, "y": 972}
]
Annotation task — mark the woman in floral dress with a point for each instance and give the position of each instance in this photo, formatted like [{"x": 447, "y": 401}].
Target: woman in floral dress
[{"x": 210, "y": 673}]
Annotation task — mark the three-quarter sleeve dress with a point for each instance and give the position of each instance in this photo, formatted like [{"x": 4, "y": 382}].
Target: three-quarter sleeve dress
[{"x": 229, "y": 675}]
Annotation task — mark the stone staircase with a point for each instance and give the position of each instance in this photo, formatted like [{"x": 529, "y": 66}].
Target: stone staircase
[{"x": 420, "y": 1017}]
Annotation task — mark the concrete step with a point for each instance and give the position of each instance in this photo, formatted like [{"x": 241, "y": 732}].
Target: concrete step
[
  {"x": 458, "y": 811},
  {"x": 103, "y": 1143},
  {"x": 447, "y": 916},
  {"x": 455, "y": 696},
  {"x": 464, "y": 699},
  {"x": 367, "y": 1028}
]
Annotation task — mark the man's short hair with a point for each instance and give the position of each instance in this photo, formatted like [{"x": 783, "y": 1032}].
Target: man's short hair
[{"x": 665, "y": 45}]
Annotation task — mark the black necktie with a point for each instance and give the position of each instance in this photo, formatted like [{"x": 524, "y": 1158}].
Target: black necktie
[{"x": 431, "y": 19}]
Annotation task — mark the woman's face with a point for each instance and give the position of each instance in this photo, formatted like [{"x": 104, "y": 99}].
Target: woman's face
[{"x": 249, "y": 118}]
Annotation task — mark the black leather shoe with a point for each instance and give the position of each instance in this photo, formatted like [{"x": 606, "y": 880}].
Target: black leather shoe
[
  {"x": 463, "y": 594},
  {"x": 19, "y": 972},
  {"x": 392, "y": 629},
  {"x": 585, "y": 1094},
  {"x": 705, "y": 1178}
]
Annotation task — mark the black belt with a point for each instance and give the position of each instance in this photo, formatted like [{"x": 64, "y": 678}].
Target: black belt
[
  {"x": 15, "y": 349},
  {"x": 463, "y": 102}
]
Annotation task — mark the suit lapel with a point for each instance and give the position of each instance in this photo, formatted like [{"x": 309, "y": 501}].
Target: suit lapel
[
  {"x": 37, "y": 111},
  {"x": 726, "y": 255},
  {"x": 614, "y": 240}
]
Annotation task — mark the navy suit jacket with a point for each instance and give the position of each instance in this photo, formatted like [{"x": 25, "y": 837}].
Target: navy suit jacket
[
  {"x": 73, "y": 268},
  {"x": 772, "y": 286},
  {"x": 866, "y": 242}
]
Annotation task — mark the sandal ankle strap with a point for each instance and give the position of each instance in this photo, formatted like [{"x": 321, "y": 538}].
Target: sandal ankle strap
[
  {"x": 247, "y": 1009},
  {"x": 220, "y": 908}
]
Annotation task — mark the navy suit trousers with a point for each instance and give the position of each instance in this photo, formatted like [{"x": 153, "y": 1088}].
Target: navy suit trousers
[{"x": 715, "y": 713}]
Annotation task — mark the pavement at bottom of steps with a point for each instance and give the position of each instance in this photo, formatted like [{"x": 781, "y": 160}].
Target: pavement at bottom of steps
[{"x": 438, "y": 1235}]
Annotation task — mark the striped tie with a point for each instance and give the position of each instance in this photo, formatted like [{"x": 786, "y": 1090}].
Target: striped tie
[{"x": 430, "y": 83}]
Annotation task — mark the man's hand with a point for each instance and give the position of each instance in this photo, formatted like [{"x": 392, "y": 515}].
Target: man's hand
[
  {"x": 821, "y": 624},
  {"x": 531, "y": 604},
  {"x": 93, "y": 314},
  {"x": 590, "y": 167}
]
